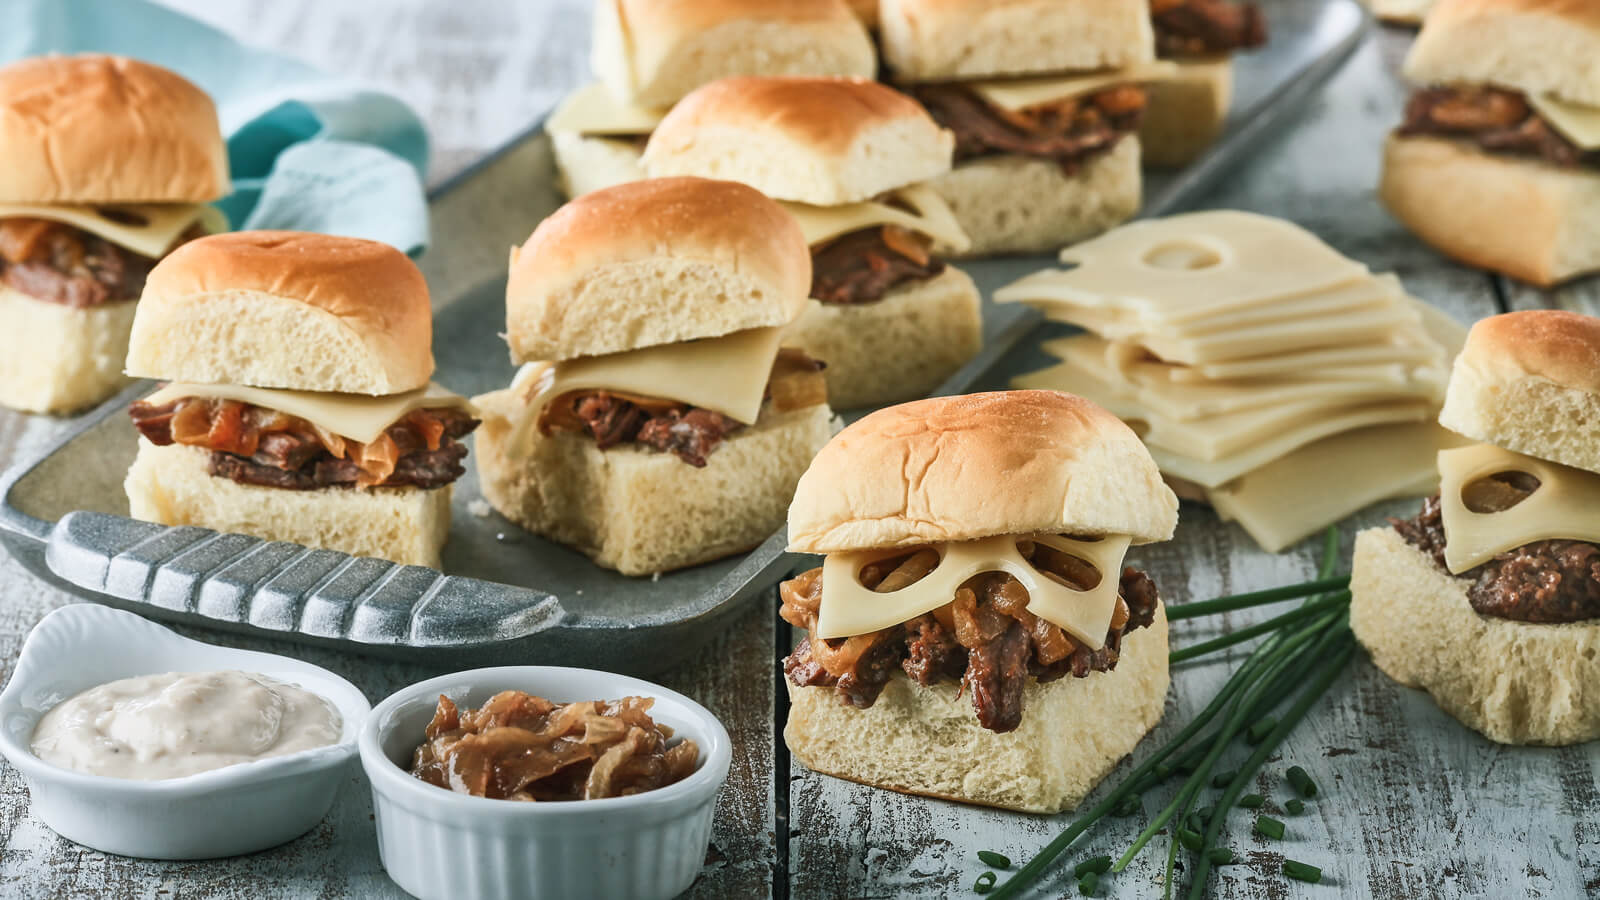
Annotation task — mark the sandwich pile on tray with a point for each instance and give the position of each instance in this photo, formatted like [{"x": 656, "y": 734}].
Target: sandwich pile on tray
[
  {"x": 1489, "y": 598},
  {"x": 1256, "y": 361},
  {"x": 1498, "y": 161},
  {"x": 975, "y": 549},
  {"x": 850, "y": 160},
  {"x": 110, "y": 163},
  {"x": 659, "y": 419},
  {"x": 649, "y": 54}
]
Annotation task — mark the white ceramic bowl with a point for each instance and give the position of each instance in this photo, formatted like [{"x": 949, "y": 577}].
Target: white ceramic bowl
[
  {"x": 225, "y": 812},
  {"x": 439, "y": 844}
]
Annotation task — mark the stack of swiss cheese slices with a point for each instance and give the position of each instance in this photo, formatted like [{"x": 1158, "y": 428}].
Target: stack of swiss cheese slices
[{"x": 1272, "y": 377}]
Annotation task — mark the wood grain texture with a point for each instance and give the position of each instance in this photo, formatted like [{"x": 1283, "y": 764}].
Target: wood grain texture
[{"x": 1415, "y": 805}]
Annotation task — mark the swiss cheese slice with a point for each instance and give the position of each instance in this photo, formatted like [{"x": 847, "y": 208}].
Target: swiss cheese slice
[
  {"x": 929, "y": 215},
  {"x": 1580, "y": 124},
  {"x": 593, "y": 110},
  {"x": 1191, "y": 266},
  {"x": 1300, "y": 493},
  {"x": 148, "y": 229},
  {"x": 849, "y": 608},
  {"x": 1022, "y": 93},
  {"x": 356, "y": 417},
  {"x": 726, "y": 374},
  {"x": 1566, "y": 505}
]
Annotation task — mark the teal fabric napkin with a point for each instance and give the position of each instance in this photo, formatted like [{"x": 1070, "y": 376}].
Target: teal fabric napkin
[{"x": 309, "y": 151}]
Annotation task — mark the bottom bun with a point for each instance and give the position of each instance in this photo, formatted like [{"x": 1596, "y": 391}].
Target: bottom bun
[
  {"x": 1184, "y": 113},
  {"x": 927, "y": 740},
  {"x": 171, "y": 485},
  {"x": 1514, "y": 682},
  {"x": 1016, "y": 204},
  {"x": 894, "y": 349},
  {"x": 58, "y": 359},
  {"x": 640, "y": 511},
  {"x": 585, "y": 164},
  {"x": 1529, "y": 219}
]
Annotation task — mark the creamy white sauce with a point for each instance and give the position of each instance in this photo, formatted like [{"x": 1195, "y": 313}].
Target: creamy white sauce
[{"x": 155, "y": 727}]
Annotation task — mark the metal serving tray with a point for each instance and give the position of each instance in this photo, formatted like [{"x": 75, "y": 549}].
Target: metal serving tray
[{"x": 506, "y": 595}]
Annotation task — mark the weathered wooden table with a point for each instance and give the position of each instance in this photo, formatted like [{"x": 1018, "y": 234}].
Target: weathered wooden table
[{"x": 1413, "y": 805}]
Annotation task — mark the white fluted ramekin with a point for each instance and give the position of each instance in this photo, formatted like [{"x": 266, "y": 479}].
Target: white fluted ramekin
[
  {"x": 224, "y": 812},
  {"x": 440, "y": 844}
]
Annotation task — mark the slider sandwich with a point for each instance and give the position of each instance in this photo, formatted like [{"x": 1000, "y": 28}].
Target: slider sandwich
[
  {"x": 109, "y": 163},
  {"x": 850, "y": 160},
  {"x": 1045, "y": 101},
  {"x": 299, "y": 406},
  {"x": 648, "y": 54},
  {"x": 972, "y": 633},
  {"x": 1184, "y": 113},
  {"x": 1498, "y": 161},
  {"x": 1489, "y": 599},
  {"x": 658, "y": 420}
]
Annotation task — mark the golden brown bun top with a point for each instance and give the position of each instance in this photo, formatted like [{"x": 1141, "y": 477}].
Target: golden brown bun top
[
  {"x": 962, "y": 468},
  {"x": 654, "y": 262},
  {"x": 1559, "y": 346},
  {"x": 107, "y": 129},
  {"x": 829, "y": 115},
  {"x": 285, "y": 309},
  {"x": 1535, "y": 46}
]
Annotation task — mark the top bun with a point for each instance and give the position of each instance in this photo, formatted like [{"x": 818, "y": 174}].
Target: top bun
[
  {"x": 107, "y": 129},
  {"x": 962, "y": 468},
  {"x": 654, "y": 262},
  {"x": 823, "y": 141},
  {"x": 941, "y": 40},
  {"x": 283, "y": 309},
  {"x": 1530, "y": 382},
  {"x": 654, "y": 52},
  {"x": 866, "y": 11},
  {"x": 1535, "y": 46}
]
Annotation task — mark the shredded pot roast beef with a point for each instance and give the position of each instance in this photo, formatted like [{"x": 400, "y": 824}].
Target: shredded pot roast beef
[
  {"x": 985, "y": 638},
  {"x": 521, "y": 747},
  {"x": 688, "y": 431},
  {"x": 862, "y": 266},
  {"x": 1200, "y": 27},
  {"x": 1069, "y": 131},
  {"x": 1543, "y": 582},
  {"x": 255, "y": 445},
  {"x": 57, "y": 263},
  {"x": 1496, "y": 119}
]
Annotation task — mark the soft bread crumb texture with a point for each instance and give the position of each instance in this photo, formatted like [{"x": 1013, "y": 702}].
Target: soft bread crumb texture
[
  {"x": 1535, "y": 46},
  {"x": 1183, "y": 115},
  {"x": 1513, "y": 682},
  {"x": 171, "y": 485},
  {"x": 585, "y": 163},
  {"x": 1526, "y": 218},
  {"x": 640, "y": 511},
  {"x": 898, "y": 348},
  {"x": 1016, "y": 204},
  {"x": 56, "y": 359},
  {"x": 927, "y": 740},
  {"x": 933, "y": 40}
]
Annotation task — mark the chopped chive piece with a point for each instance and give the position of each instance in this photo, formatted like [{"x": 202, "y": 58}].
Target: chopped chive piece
[
  {"x": 1193, "y": 823},
  {"x": 1162, "y": 771},
  {"x": 1255, "y": 598},
  {"x": 1220, "y": 856},
  {"x": 1090, "y": 883},
  {"x": 1189, "y": 839},
  {"x": 1300, "y": 871},
  {"x": 1302, "y": 782},
  {"x": 1269, "y": 827},
  {"x": 1259, "y": 731},
  {"x": 985, "y": 883},
  {"x": 1223, "y": 779},
  {"x": 1129, "y": 807},
  {"x": 1295, "y": 806},
  {"x": 994, "y": 860},
  {"x": 1252, "y": 801},
  {"x": 1097, "y": 866}
]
